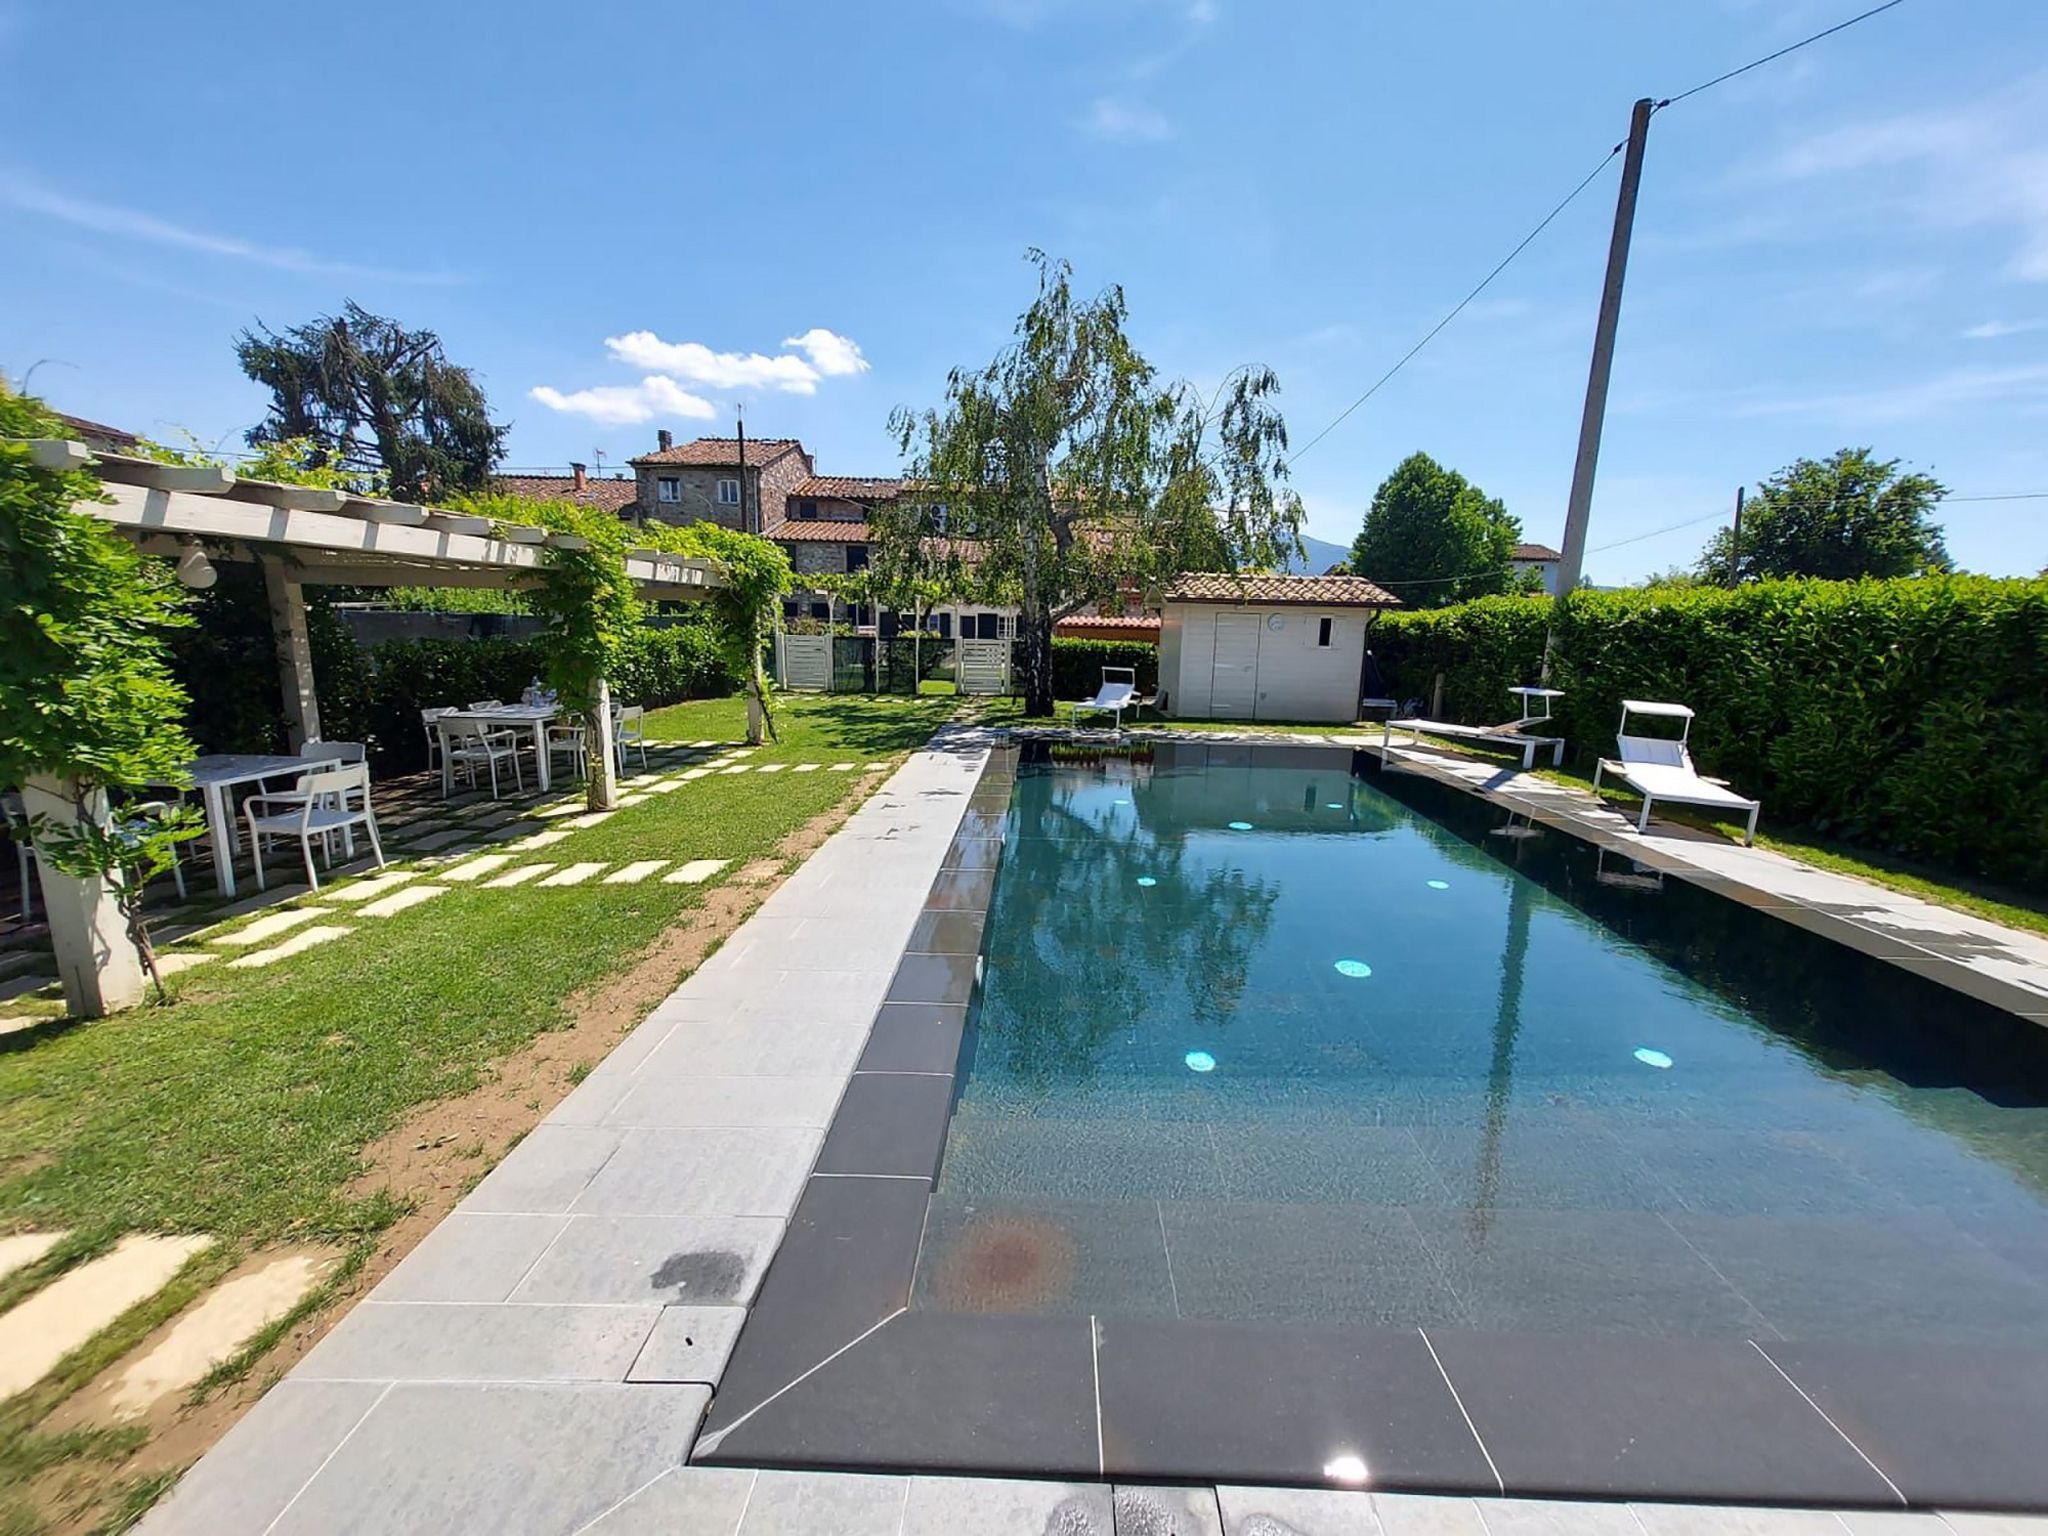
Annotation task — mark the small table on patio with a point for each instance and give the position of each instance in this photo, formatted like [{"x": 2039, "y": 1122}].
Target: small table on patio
[
  {"x": 215, "y": 776},
  {"x": 533, "y": 717}
]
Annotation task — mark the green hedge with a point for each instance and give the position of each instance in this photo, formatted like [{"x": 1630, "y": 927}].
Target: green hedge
[
  {"x": 228, "y": 664},
  {"x": 1909, "y": 716},
  {"x": 1077, "y": 665}
]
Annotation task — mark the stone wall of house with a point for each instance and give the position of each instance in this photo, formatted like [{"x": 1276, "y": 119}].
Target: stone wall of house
[
  {"x": 698, "y": 487},
  {"x": 807, "y": 558}
]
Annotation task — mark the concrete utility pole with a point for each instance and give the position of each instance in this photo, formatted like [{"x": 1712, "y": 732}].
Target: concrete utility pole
[
  {"x": 1735, "y": 543},
  {"x": 1568, "y": 569}
]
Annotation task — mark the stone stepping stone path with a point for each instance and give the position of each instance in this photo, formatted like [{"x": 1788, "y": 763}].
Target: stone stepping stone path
[
  {"x": 21, "y": 986},
  {"x": 266, "y": 928},
  {"x": 806, "y": 768},
  {"x": 236, "y": 1310},
  {"x": 170, "y": 965},
  {"x": 696, "y": 872},
  {"x": 398, "y": 901},
  {"x": 24, "y": 1248},
  {"x": 634, "y": 873},
  {"x": 372, "y": 888},
  {"x": 48, "y": 1325},
  {"x": 441, "y": 840},
  {"x": 588, "y": 819},
  {"x": 695, "y": 773},
  {"x": 297, "y": 944},
  {"x": 842, "y": 767},
  {"x": 517, "y": 876},
  {"x": 773, "y": 767},
  {"x": 537, "y": 840},
  {"x": 573, "y": 874},
  {"x": 478, "y": 867}
]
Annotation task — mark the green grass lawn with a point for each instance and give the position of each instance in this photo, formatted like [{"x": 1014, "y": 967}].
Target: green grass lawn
[{"x": 812, "y": 726}]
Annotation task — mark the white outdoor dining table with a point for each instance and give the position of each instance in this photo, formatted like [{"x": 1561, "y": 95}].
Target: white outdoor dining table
[
  {"x": 533, "y": 717},
  {"x": 215, "y": 776}
]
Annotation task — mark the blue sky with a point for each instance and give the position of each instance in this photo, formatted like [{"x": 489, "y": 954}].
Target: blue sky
[{"x": 815, "y": 210}]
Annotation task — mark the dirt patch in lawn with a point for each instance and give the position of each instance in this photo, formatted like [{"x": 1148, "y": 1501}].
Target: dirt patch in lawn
[{"x": 438, "y": 1154}]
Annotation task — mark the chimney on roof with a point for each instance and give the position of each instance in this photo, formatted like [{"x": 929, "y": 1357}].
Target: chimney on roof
[
  {"x": 666, "y": 439},
  {"x": 578, "y": 471}
]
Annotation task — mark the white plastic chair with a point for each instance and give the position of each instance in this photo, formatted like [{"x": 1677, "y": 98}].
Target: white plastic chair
[
  {"x": 156, "y": 810},
  {"x": 486, "y": 703},
  {"x": 567, "y": 742},
  {"x": 629, "y": 729},
  {"x": 427, "y": 719},
  {"x": 1113, "y": 698},
  {"x": 467, "y": 743},
  {"x": 1661, "y": 768},
  {"x": 322, "y": 804}
]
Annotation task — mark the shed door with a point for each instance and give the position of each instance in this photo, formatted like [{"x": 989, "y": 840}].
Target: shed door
[{"x": 1234, "y": 684}]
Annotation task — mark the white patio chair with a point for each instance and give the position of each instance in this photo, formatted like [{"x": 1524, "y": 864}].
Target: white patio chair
[
  {"x": 567, "y": 743},
  {"x": 1114, "y": 696},
  {"x": 486, "y": 703},
  {"x": 335, "y": 751},
  {"x": 427, "y": 719},
  {"x": 16, "y": 815},
  {"x": 321, "y": 804},
  {"x": 629, "y": 729},
  {"x": 1661, "y": 768},
  {"x": 155, "y": 810},
  {"x": 467, "y": 743}
]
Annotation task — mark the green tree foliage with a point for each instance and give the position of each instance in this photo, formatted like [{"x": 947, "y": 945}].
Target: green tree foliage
[
  {"x": 1071, "y": 472},
  {"x": 374, "y": 398},
  {"x": 1847, "y": 516},
  {"x": 1909, "y": 716},
  {"x": 86, "y": 693},
  {"x": 1433, "y": 538}
]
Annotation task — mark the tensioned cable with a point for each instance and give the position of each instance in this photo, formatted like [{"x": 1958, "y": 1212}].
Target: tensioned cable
[
  {"x": 1840, "y": 26},
  {"x": 1430, "y": 335}
]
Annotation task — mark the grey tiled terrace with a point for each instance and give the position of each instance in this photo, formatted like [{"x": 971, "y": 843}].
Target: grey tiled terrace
[{"x": 542, "y": 1362}]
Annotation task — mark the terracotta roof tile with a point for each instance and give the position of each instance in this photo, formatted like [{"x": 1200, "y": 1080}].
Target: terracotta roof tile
[
  {"x": 612, "y": 495},
  {"x": 1315, "y": 591},
  {"x": 849, "y": 487},
  {"x": 722, "y": 452},
  {"x": 1536, "y": 552},
  {"x": 818, "y": 532}
]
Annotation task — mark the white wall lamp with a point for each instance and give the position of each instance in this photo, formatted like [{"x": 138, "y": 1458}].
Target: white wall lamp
[{"x": 194, "y": 569}]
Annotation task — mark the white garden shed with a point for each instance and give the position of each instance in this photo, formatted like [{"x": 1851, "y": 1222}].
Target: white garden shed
[{"x": 1265, "y": 647}]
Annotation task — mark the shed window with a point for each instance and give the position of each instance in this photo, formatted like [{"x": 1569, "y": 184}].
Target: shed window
[
  {"x": 728, "y": 493},
  {"x": 668, "y": 488},
  {"x": 1323, "y": 633},
  {"x": 807, "y": 511}
]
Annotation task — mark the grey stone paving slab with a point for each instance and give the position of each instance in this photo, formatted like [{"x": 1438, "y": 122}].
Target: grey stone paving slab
[
  {"x": 459, "y": 1341},
  {"x": 1892, "y": 1522},
  {"x": 251, "y": 1475},
  {"x": 593, "y": 1100},
  {"x": 727, "y": 1048},
  {"x": 471, "y": 1256},
  {"x": 825, "y": 1504},
  {"x": 1296, "y": 1512},
  {"x": 686, "y": 1501},
  {"x": 1996, "y": 1525},
  {"x": 955, "y": 1506},
  {"x": 653, "y": 1261},
  {"x": 1727, "y": 1520},
  {"x": 1149, "y": 1511},
  {"x": 526, "y": 1460},
  {"x": 689, "y": 1344},
  {"x": 667, "y": 1102},
  {"x": 702, "y": 1173},
  {"x": 1556, "y": 1517},
  {"x": 546, "y": 1171},
  {"x": 1411, "y": 1514}
]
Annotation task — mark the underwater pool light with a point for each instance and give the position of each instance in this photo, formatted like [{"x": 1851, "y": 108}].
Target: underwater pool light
[
  {"x": 1200, "y": 1061},
  {"x": 1353, "y": 968},
  {"x": 1334, "y": 805},
  {"x": 1439, "y": 885},
  {"x": 1240, "y": 826},
  {"x": 1350, "y": 1470},
  {"x": 1650, "y": 1058},
  {"x": 1147, "y": 881}
]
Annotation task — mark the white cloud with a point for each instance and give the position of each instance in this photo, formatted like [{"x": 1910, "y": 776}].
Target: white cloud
[
  {"x": 696, "y": 362},
  {"x": 625, "y": 405},
  {"x": 132, "y": 224},
  {"x": 833, "y": 355},
  {"x": 1125, "y": 122},
  {"x": 1959, "y": 387},
  {"x": 1979, "y": 166},
  {"x": 1991, "y": 330}
]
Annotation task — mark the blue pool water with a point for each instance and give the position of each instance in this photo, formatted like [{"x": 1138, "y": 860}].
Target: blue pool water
[{"x": 1271, "y": 1035}]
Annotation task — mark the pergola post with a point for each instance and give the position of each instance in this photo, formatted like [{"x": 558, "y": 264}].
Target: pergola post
[
  {"x": 603, "y": 764},
  {"x": 294, "y": 654},
  {"x": 98, "y": 964}
]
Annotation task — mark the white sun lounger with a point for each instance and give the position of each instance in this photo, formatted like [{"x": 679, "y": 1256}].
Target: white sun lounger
[
  {"x": 1660, "y": 768},
  {"x": 1112, "y": 698},
  {"x": 1516, "y": 734}
]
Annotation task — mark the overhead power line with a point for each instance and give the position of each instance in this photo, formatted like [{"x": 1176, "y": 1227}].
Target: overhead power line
[
  {"x": 1456, "y": 310},
  {"x": 1840, "y": 26}
]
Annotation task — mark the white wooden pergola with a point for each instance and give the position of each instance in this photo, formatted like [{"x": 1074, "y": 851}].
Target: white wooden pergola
[{"x": 299, "y": 537}]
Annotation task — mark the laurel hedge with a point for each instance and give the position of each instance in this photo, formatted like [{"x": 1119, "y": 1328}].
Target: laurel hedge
[
  {"x": 1077, "y": 665},
  {"x": 1909, "y": 716}
]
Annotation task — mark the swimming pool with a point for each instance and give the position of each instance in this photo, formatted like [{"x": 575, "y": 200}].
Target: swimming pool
[{"x": 1286, "y": 1118}]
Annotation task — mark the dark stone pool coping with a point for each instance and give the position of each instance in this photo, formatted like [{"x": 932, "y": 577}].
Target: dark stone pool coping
[{"x": 833, "y": 1371}]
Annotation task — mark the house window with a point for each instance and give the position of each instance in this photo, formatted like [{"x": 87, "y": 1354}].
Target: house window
[
  {"x": 939, "y": 517},
  {"x": 668, "y": 488},
  {"x": 821, "y": 610},
  {"x": 1006, "y": 627},
  {"x": 807, "y": 511},
  {"x": 789, "y": 608},
  {"x": 728, "y": 493},
  {"x": 1323, "y": 633},
  {"x": 856, "y": 558}
]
